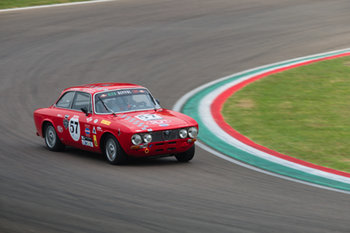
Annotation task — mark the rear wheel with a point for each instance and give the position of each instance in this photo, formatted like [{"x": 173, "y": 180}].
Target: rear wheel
[
  {"x": 114, "y": 153},
  {"x": 52, "y": 141},
  {"x": 186, "y": 156}
]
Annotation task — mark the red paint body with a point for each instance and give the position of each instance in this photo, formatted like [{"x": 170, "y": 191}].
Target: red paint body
[{"x": 121, "y": 125}]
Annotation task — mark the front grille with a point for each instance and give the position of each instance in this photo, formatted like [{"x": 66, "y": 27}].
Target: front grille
[{"x": 165, "y": 135}]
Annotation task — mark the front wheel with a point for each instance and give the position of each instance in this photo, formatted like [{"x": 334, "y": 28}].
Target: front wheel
[
  {"x": 52, "y": 141},
  {"x": 186, "y": 156},
  {"x": 114, "y": 153}
]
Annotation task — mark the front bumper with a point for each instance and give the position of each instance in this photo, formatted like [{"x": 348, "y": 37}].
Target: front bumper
[{"x": 161, "y": 148}]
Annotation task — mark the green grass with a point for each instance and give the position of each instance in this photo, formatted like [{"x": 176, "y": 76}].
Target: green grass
[
  {"x": 303, "y": 112},
  {"x": 4, "y": 4}
]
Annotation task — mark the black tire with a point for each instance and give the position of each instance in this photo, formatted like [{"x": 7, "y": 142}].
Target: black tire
[
  {"x": 113, "y": 152},
  {"x": 53, "y": 143},
  {"x": 186, "y": 156}
]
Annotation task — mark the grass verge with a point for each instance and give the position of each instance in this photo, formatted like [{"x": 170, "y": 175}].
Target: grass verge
[
  {"x": 4, "y": 4},
  {"x": 303, "y": 112}
]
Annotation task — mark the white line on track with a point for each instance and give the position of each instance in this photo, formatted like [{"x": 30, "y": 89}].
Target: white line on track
[
  {"x": 229, "y": 159},
  {"x": 53, "y": 5},
  {"x": 179, "y": 104},
  {"x": 208, "y": 120}
]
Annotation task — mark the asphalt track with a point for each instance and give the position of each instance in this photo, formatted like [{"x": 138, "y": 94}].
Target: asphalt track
[{"x": 171, "y": 47}]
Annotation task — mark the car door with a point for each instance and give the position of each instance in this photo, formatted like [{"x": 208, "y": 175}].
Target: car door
[
  {"x": 79, "y": 124},
  {"x": 61, "y": 114}
]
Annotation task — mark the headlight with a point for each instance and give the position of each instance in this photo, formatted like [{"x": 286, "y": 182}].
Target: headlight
[
  {"x": 147, "y": 138},
  {"x": 183, "y": 133},
  {"x": 136, "y": 139},
  {"x": 193, "y": 132}
]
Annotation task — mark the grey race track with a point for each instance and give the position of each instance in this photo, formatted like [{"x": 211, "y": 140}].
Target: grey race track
[{"x": 171, "y": 47}]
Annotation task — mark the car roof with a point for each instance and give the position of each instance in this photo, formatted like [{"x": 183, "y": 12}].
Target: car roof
[{"x": 100, "y": 87}]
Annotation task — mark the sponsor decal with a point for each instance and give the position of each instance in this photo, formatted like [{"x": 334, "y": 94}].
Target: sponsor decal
[
  {"x": 105, "y": 122},
  {"x": 74, "y": 128},
  {"x": 65, "y": 121},
  {"x": 159, "y": 122},
  {"x": 95, "y": 121},
  {"x": 59, "y": 115},
  {"x": 136, "y": 91},
  {"x": 164, "y": 125},
  {"x": 59, "y": 129},
  {"x": 99, "y": 128},
  {"x": 137, "y": 122},
  {"x": 122, "y": 92},
  {"x": 94, "y": 130},
  {"x": 89, "y": 119},
  {"x": 149, "y": 117},
  {"x": 87, "y": 131},
  {"x": 86, "y": 141},
  {"x": 95, "y": 140}
]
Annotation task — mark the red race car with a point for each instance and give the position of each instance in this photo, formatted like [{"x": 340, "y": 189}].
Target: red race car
[{"x": 117, "y": 119}]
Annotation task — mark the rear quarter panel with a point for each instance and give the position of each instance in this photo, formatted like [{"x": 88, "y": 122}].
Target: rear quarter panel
[{"x": 42, "y": 115}]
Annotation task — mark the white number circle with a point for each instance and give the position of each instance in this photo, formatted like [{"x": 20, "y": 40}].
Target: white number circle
[{"x": 74, "y": 128}]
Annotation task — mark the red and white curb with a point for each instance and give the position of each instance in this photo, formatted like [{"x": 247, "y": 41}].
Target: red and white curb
[{"x": 209, "y": 112}]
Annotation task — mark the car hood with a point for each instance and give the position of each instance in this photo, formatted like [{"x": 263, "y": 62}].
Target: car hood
[{"x": 153, "y": 120}]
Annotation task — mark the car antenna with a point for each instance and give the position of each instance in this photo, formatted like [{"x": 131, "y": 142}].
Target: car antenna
[{"x": 104, "y": 104}]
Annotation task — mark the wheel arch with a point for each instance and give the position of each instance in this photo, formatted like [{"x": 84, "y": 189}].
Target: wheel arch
[
  {"x": 103, "y": 140},
  {"x": 43, "y": 126}
]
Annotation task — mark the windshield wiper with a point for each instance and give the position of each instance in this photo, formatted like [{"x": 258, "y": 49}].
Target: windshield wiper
[{"x": 106, "y": 107}]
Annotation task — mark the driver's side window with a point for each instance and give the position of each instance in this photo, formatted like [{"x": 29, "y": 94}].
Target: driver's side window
[
  {"x": 66, "y": 100},
  {"x": 82, "y": 100}
]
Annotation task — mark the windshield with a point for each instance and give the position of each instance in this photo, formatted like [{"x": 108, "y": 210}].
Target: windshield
[{"x": 124, "y": 100}]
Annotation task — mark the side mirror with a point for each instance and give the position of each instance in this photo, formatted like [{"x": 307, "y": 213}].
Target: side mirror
[{"x": 85, "y": 110}]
